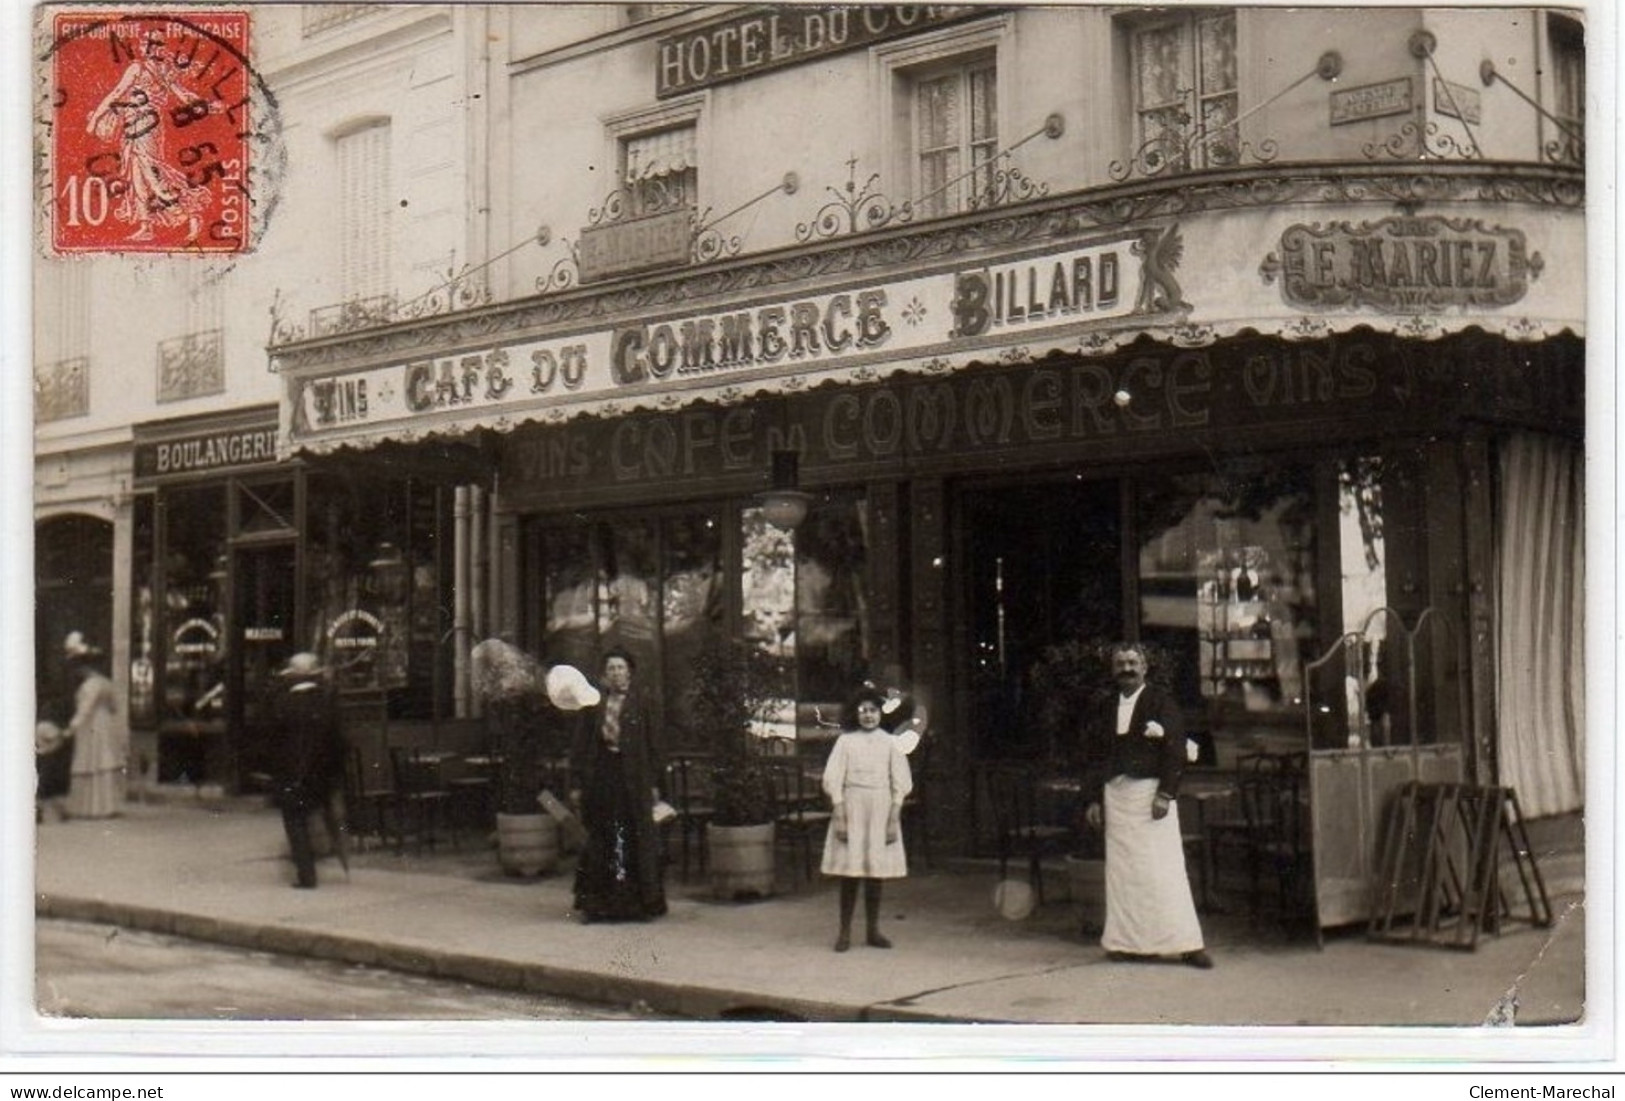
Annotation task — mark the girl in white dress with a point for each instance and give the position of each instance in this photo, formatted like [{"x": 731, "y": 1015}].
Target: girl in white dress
[{"x": 867, "y": 779}]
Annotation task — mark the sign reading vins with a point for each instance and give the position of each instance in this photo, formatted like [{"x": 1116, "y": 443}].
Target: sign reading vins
[{"x": 1402, "y": 265}]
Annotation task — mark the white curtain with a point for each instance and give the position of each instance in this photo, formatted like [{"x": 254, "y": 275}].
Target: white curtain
[{"x": 1540, "y": 643}]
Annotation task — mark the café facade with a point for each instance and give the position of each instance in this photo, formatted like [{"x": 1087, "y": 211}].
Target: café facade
[{"x": 1313, "y": 430}]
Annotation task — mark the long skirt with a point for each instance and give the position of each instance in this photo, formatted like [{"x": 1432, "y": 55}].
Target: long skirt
[
  {"x": 618, "y": 875},
  {"x": 1149, "y": 909},
  {"x": 98, "y": 794}
]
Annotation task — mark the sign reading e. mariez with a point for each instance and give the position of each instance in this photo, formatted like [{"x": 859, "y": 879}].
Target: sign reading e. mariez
[{"x": 1403, "y": 265}]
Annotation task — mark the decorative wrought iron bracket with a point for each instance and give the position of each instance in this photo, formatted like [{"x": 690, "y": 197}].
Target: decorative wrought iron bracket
[{"x": 1568, "y": 149}]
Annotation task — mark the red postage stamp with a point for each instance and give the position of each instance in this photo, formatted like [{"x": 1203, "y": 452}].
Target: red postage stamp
[{"x": 151, "y": 128}]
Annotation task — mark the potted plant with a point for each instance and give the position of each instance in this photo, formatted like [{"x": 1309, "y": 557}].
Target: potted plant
[
  {"x": 727, "y": 693},
  {"x": 510, "y": 687},
  {"x": 1065, "y": 683}
]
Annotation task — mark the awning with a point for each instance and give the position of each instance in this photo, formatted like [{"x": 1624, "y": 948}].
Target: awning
[{"x": 940, "y": 301}]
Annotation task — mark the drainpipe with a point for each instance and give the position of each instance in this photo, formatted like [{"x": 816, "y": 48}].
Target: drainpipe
[
  {"x": 460, "y": 603},
  {"x": 477, "y": 577}
]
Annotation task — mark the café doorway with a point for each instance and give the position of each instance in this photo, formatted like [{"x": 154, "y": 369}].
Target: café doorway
[
  {"x": 262, "y": 639},
  {"x": 1043, "y": 568}
]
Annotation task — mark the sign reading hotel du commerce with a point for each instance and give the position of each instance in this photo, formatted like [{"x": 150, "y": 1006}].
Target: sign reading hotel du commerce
[{"x": 1402, "y": 265}]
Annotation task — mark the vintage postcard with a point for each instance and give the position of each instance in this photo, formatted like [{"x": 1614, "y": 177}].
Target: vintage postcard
[{"x": 810, "y": 517}]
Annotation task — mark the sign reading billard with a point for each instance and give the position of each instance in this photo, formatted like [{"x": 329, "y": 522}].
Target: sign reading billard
[{"x": 1403, "y": 264}]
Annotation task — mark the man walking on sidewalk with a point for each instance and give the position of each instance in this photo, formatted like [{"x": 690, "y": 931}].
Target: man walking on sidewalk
[
  {"x": 311, "y": 763},
  {"x": 1134, "y": 753}
]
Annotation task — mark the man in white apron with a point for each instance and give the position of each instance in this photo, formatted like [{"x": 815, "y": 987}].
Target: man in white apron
[{"x": 1135, "y": 749}]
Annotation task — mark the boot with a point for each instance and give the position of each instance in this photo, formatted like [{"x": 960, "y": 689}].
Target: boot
[
  {"x": 849, "y": 903},
  {"x": 871, "y": 914}
]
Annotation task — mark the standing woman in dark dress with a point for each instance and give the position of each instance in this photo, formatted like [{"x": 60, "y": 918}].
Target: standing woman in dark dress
[
  {"x": 615, "y": 762},
  {"x": 53, "y": 740}
]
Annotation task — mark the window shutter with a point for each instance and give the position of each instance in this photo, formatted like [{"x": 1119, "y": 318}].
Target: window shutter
[{"x": 363, "y": 229}]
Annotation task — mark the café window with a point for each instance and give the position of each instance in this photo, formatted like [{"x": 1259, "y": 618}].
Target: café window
[
  {"x": 659, "y": 588},
  {"x": 374, "y": 557},
  {"x": 804, "y": 603},
  {"x": 1227, "y": 584},
  {"x": 955, "y": 134},
  {"x": 660, "y": 170},
  {"x": 1184, "y": 89},
  {"x": 193, "y": 617},
  {"x": 651, "y": 586}
]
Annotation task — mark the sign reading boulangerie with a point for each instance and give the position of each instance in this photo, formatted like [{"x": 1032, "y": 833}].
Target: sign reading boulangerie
[{"x": 1403, "y": 264}]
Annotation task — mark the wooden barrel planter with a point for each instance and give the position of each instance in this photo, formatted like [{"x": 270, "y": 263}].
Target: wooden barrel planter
[
  {"x": 527, "y": 844},
  {"x": 740, "y": 859}
]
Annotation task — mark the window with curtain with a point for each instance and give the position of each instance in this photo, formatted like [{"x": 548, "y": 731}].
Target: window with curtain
[
  {"x": 1540, "y": 621},
  {"x": 660, "y": 170},
  {"x": 1567, "y": 41},
  {"x": 363, "y": 163},
  {"x": 956, "y": 135},
  {"x": 1184, "y": 82}
]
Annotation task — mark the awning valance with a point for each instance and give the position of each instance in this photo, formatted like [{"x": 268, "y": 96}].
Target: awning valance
[{"x": 1506, "y": 270}]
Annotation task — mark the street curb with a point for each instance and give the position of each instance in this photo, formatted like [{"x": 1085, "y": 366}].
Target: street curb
[{"x": 684, "y": 1001}]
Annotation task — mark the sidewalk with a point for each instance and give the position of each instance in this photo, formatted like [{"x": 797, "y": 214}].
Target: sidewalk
[{"x": 218, "y": 873}]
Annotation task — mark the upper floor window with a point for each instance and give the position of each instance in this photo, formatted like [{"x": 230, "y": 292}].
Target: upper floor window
[
  {"x": 1185, "y": 89},
  {"x": 363, "y": 212},
  {"x": 1569, "y": 89},
  {"x": 956, "y": 135},
  {"x": 660, "y": 170}
]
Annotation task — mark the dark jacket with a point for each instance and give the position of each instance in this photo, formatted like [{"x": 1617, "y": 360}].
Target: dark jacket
[
  {"x": 310, "y": 766},
  {"x": 1107, "y": 755},
  {"x": 639, "y": 746}
]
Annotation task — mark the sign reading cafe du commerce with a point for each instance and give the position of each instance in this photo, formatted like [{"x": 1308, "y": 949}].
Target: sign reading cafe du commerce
[{"x": 946, "y": 318}]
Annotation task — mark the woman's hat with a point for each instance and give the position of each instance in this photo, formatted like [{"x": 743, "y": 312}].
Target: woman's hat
[
  {"x": 303, "y": 664},
  {"x": 569, "y": 689}
]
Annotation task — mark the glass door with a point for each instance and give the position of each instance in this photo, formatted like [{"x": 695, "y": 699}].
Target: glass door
[
  {"x": 261, "y": 639},
  {"x": 1043, "y": 587}
]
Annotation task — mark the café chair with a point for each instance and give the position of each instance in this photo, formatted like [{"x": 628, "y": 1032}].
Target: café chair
[
  {"x": 1267, "y": 832},
  {"x": 801, "y": 814},
  {"x": 1013, "y": 791},
  {"x": 420, "y": 798},
  {"x": 368, "y": 800},
  {"x": 688, "y": 785}
]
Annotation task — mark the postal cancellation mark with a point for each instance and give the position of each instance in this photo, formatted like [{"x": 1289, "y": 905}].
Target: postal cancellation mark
[{"x": 151, "y": 128}]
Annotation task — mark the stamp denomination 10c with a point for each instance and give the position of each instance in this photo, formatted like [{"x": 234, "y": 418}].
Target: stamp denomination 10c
[{"x": 151, "y": 127}]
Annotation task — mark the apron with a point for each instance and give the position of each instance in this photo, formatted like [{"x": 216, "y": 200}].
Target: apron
[{"x": 1149, "y": 910}]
